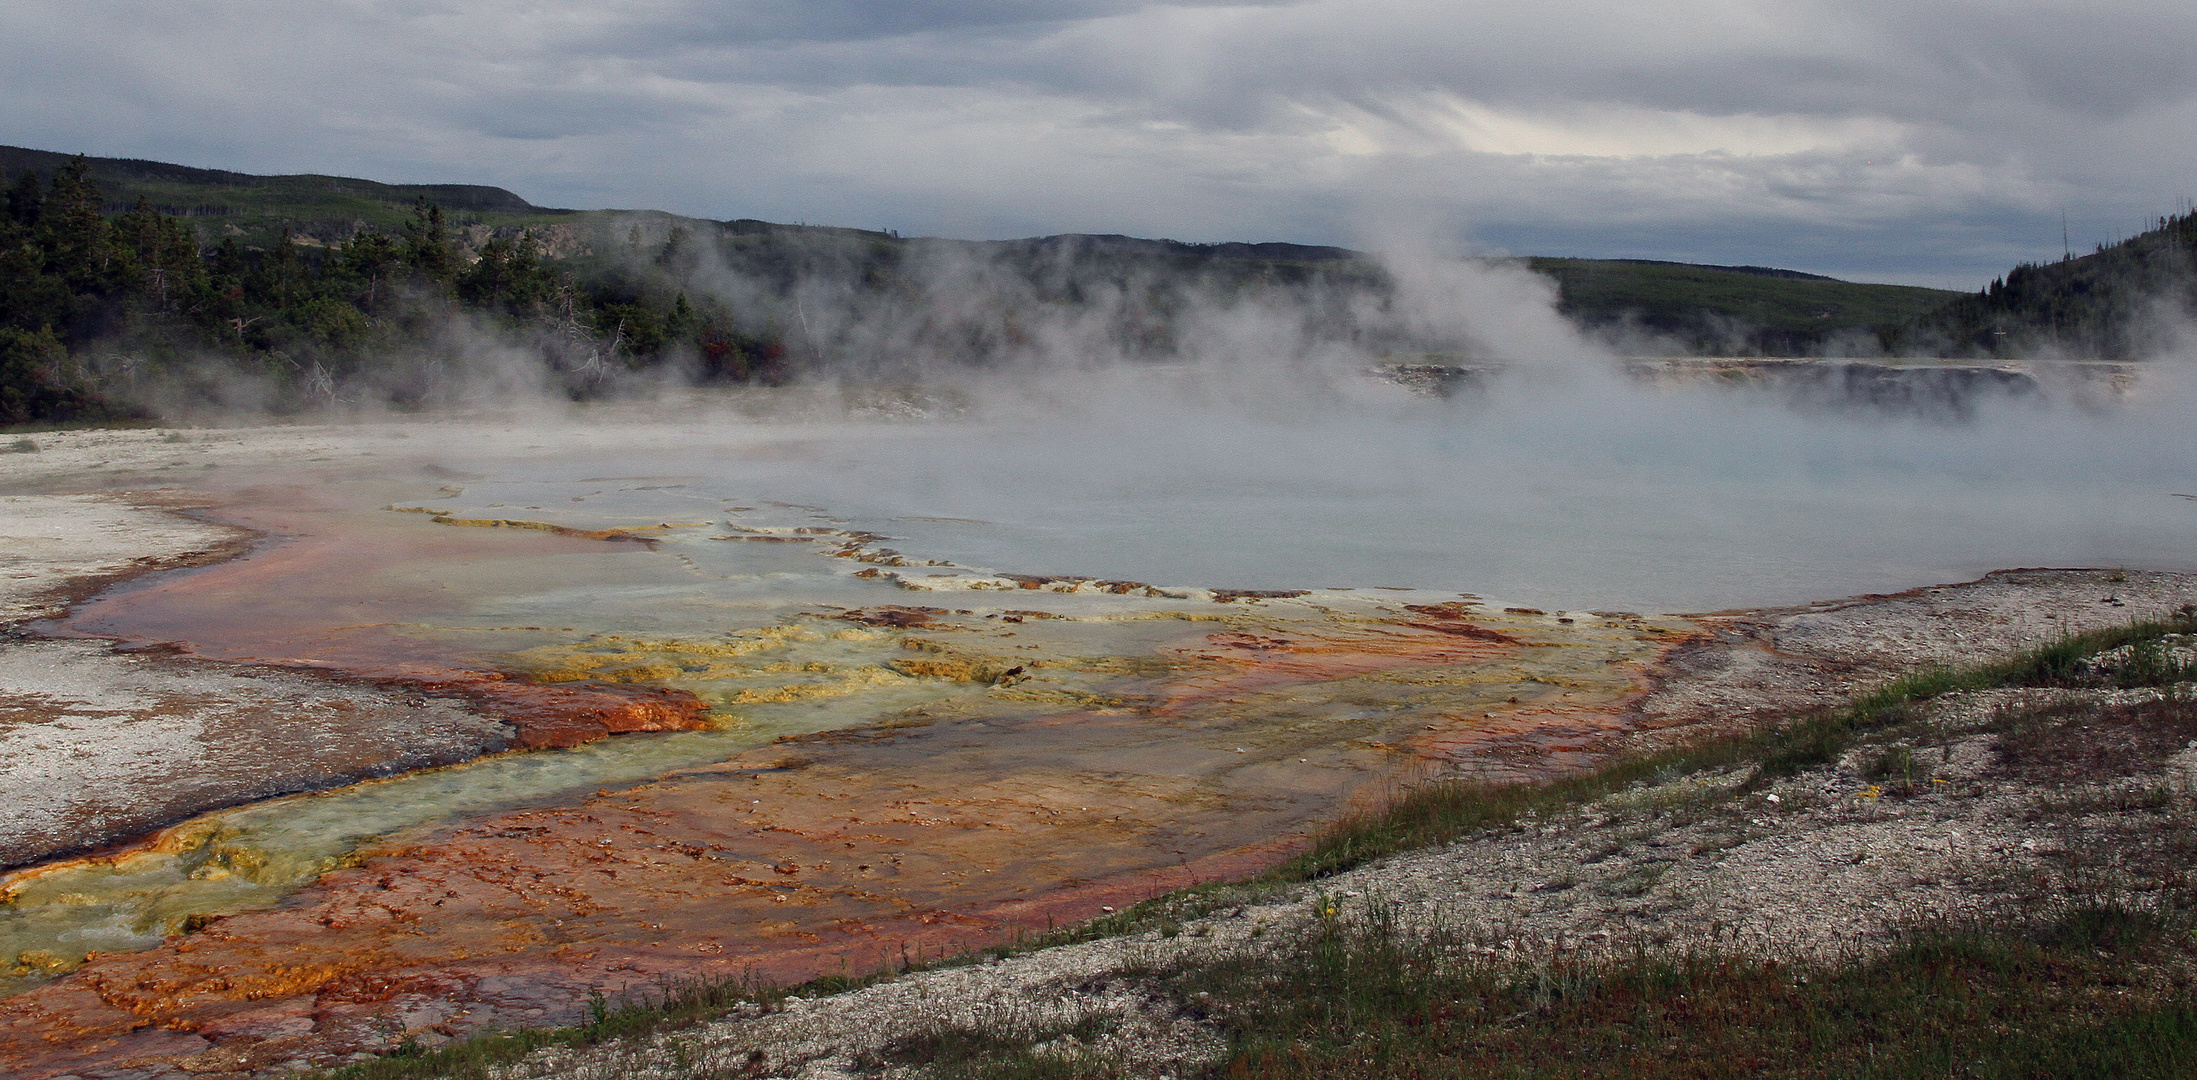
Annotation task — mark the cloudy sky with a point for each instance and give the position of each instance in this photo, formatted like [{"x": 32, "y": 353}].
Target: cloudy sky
[{"x": 1932, "y": 142}]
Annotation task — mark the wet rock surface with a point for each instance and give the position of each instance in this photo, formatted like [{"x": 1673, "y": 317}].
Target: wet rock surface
[
  {"x": 99, "y": 746},
  {"x": 58, "y": 548},
  {"x": 962, "y": 824}
]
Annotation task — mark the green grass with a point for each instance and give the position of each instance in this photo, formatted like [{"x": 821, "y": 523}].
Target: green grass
[
  {"x": 1688, "y": 301},
  {"x": 2072, "y": 994}
]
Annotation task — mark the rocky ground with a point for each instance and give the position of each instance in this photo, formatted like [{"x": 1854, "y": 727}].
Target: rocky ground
[{"x": 1984, "y": 809}]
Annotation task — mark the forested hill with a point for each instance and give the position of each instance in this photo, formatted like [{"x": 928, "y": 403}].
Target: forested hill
[
  {"x": 2120, "y": 302},
  {"x": 104, "y": 313},
  {"x": 127, "y": 284}
]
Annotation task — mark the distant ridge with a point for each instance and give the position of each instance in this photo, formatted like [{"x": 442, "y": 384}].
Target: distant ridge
[
  {"x": 1685, "y": 308},
  {"x": 1757, "y": 271},
  {"x": 119, "y": 176},
  {"x": 1117, "y": 244}
]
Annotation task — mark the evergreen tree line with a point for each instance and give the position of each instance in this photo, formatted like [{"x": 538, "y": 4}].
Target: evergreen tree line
[
  {"x": 2124, "y": 301},
  {"x": 98, "y": 313}
]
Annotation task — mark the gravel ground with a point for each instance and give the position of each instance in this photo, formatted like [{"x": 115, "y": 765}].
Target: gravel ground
[
  {"x": 1825, "y": 865},
  {"x": 1756, "y": 665}
]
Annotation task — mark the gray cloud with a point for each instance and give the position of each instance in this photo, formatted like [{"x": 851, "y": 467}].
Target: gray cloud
[{"x": 1901, "y": 141}]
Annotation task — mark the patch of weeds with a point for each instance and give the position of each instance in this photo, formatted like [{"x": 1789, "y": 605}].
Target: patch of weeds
[
  {"x": 1675, "y": 803},
  {"x": 1010, "y": 1044},
  {"x": 2069, "y": 662},
  {"x": 2077, "y": 742},
  {"x": 1816, "y": 741},
  {"x": 24, "y": 445},
  {"x": 1895, "y": 769},
  {"x": 2058, "y": 995},
  {"x": 2152, "y": 663},
  {"x": 2091, "y": 924},
  {"x": 1639, "y": 881},
  {"x": 2122, "y": 798}
]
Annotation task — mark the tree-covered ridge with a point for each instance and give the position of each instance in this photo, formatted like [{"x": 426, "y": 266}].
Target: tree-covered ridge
[
  {"x": 286, "y": 293},
  {"x": 137, "y": 306},
  {"x": 2121, "y": 302}
]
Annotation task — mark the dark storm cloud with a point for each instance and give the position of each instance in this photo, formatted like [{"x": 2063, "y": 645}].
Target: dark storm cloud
[{"x": 1897, "y": 140}]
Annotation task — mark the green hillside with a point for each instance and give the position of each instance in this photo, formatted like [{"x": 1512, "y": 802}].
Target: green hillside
[
  {"x": 256, "y": 209},
  {"x": 1744, "y": 310}
]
